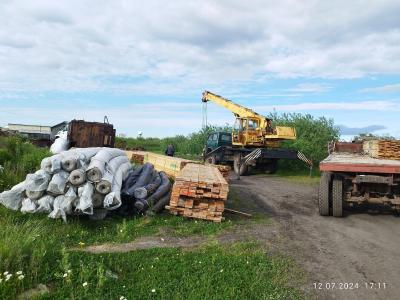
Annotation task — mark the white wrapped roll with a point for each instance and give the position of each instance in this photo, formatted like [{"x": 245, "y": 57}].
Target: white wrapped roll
[{"x": 113, "y": 199}]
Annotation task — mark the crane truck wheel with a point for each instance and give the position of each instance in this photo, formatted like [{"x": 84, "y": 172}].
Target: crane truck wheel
[
  {"x": 337, "y": 197},
  {"x": 323, "y": 194},
  {"x": 242, "y": 169},
  {"x": 212, "y": 159},
  {"x": 271, "y": 167}
]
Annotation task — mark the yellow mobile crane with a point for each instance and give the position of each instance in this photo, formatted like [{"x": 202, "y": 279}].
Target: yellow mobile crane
[
  {"x": 251, "y": 129},
  {"x": 254, "y": 142}
]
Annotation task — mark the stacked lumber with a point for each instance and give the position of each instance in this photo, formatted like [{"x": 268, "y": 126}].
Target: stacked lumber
[
  {"x": 199, "y": 191},
  {"x": 162, "y": 163},
  {"x": 137, "y": 157},
  {"x": 224, "y": 171},
  {"x": 384, "y": 149},
  {"x": 170, "y": 165}
]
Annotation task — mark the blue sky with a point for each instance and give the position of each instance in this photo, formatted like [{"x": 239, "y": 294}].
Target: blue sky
[{"x": 145, "y": 65}]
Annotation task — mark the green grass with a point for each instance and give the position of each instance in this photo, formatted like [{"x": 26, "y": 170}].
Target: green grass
[{"x": 41, "y": 249}]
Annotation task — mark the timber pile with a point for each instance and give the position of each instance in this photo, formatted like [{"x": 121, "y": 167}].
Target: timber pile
[
  {"x": 224, "y": 171},
  {"x": 199, "y": 191},
  {"x": 384, "y": 149},
  {"x": 162, "y": 163},
  {"x": 136, "y": 156}
]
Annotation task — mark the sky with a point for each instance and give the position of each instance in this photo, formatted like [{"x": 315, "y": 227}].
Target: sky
[{"x": 145, "y": 64}]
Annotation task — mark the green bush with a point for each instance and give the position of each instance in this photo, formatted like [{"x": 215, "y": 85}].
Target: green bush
[
  {"x": 192, "y": 144},
  {"x": 18, "y": 158},
  {"x": 313, "y": 135}
]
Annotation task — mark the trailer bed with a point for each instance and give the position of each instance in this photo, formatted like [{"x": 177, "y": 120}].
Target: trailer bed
[{"x": 359, "y": 163}]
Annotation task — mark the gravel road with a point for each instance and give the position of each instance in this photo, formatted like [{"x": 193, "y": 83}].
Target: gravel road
[{"x": 361, "y": 249}]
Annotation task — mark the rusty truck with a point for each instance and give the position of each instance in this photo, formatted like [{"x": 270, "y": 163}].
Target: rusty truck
[{"x": 350, "y": 177}]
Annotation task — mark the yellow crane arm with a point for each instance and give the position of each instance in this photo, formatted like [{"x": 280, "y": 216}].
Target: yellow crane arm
[
  {"x": 264, "y": 130},
  {"x": 236, "y": 109}
]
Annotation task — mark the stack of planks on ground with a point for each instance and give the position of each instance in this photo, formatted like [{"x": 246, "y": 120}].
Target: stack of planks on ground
[
  {"x": 385, "y": 149},
  {"x": 136, "y": 156},
  {"x": 199, "y": 191},
  {"x": 168, "y": 164},
  {"x": 224, "y": 171}
]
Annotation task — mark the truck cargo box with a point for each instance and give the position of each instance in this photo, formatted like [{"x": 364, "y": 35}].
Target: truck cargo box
[{"x": 83, "y": 134}]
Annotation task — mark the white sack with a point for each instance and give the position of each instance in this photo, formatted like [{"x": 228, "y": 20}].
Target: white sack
[
  {"x": 58, "y": 183},
  {"x": 62, "y": 205},
  {"x": 85, "y": 203},
  {"x": 61, "y": 144},
  {"x": 28, "y": 206},
  {"x": 46, "y": 164},
  {"x": 45, "y": 204},
  {"x": 38, "y": 181},
  {"x": 12, "y": 199}
]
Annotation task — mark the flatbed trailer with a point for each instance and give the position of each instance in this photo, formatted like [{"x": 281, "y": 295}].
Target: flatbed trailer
[
  {"x": 246, "y": 159},
  {"x": 349, "y": 179}
]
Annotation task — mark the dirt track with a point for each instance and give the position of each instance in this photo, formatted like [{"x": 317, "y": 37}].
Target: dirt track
[{"x": 362, "y": 247}]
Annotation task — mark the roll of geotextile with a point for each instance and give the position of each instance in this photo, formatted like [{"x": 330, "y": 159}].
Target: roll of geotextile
[
  {"x": 98, "y": 200},
  {"x": 164, "y": 188},
  {"x": 113, "y": 199},
  {"x": 77, "y": 177},
  {"x": 45, "y": 204},
  {"x": 85, "y": 203},
  {"x": 77, "y": 158},
  {"x": 12, "y": 199},
  {"x": 132, "y": 177},
  {"x": 34, "y": 195},
  {"x": 38, "y": 181},
  {"x": 159, "y": 205},
  {"x": 143, "y": 179},
  {"x": 58, "y": 183},
  {"x": 105, "y": 184},
  {"x": 147, "y": 190},
  {"x": 97, "y": 166}
]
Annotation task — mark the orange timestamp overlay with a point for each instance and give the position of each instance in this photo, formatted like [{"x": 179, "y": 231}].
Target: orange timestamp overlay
[{"x": 350, "y": 285}]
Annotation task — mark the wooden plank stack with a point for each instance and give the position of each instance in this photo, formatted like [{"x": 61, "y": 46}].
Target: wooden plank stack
[
  {"x": 199, "y": 191},
  {"x": 137, "y": 157},
  {"x": 170, "y": 165},
  {"x": 384, "y": 149},
  {"x": 224, "y": 171}
]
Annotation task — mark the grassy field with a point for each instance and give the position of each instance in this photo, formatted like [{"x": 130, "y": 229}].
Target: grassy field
[{"x": 43, "y": 250}]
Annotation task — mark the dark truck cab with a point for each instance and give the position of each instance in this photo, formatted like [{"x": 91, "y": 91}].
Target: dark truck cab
[
  {"x": 218, "y": 139},
  {"x": 219, "y": 150}
]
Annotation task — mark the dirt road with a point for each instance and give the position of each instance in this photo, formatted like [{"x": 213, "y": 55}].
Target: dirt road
[{"x": 362, "y": 249}]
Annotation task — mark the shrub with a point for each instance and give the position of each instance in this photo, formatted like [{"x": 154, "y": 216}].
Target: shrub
[{"x": 18, "y": 158}]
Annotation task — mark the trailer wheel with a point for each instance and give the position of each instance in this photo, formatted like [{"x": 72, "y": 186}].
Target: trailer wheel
[
  {"x": 337, "y": 197},
  {"x": 243, "y": 167},
  {"x": 323, "y": 194}
]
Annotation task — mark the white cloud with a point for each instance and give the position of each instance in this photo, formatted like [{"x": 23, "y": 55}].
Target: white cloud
[
  {"x": 189, "y": 45},
  {"x": 312, "y": 106},
  {"x": 389, "y": 88},
  {"x": 310, "y": 88}
]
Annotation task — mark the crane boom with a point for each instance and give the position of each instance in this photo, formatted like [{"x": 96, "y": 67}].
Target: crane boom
[
  {"x": 238, "y": 110},
  {"x": 254, "y": 129}
]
